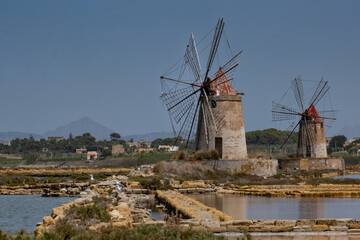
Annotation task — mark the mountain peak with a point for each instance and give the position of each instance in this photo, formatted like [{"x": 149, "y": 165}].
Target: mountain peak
[{"x": 81, "y": 126}]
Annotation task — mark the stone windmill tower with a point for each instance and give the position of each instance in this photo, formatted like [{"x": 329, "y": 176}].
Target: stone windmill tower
[
  {"x": 206, "y": 109},
  {"x": 310, "y": 123}
]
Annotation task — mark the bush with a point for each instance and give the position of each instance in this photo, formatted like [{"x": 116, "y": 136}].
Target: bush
[
  {"x": 179, "y": 155},
  {"x": 87, "y": 212}
]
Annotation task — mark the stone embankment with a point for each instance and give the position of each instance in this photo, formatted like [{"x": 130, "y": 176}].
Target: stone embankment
[
  {"x": 67, "y": 189},
  {"x": 62, "y": 171},
  {"x": 321, "y": 190},
  {"x": 194, "y": 186},
  {"x": 189, "y": 207},
  {"x": 123, "y": 208}
]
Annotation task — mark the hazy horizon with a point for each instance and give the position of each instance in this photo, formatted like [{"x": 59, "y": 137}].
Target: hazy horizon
[{"x": 60, "y": 61}]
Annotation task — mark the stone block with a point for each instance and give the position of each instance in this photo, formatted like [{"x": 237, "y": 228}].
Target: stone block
[
  {"x": 282, "y": 228},
  {"x": 191, "y": 222},
  {"x": 238, "y": 228},
  {"x": 217, "y": 229},
  {"x": 226, "y": 223},
  {"x": 259, "y": 228},
  {"x": 354, "y": 226},
  {"x": 302, "y": 222},
  {"x": 47, "y": 220},
  {"x": 159, "y": 223},
  {"x": 266, "y": 222},
  {"x": 355, "y": 230},
  {"x": 302, "y": 228},
  {"x": 243, "y": 222},
  {"x": 339, "y": 228},
  {"x": 320, "y": 228},
  {"x": 326, "y": 221},
  {"x": 209, "y": 223},
  {"x": 285, "y": 222},
  {"x": 345, "y": 221}
]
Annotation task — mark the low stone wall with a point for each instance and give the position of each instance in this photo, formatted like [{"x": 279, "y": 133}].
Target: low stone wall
[
  {"x": 46, "y": 190},
  {"x": 293, "y": 164},
  {"x": 321, "y": 190}
]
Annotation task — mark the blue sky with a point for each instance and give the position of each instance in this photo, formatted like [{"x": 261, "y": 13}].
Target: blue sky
[{"x": 62, "y": 60}]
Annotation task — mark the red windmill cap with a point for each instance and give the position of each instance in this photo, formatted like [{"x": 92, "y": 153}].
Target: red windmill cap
[
  {"x": 221, "y": 86},
  {"x": 311, "y": 112}
]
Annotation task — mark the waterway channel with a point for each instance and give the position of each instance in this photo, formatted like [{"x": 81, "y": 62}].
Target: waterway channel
[
  {"x": 24, "y": 211},
  {"x": 254, "y": 207}
]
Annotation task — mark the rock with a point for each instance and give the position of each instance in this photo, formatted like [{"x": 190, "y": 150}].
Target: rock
[
  {"x": 39, "y": 231},
  {"x": 338, "y": 228},
  {"x": 320, "y": 228},
  {"x": 243, "y": 222},
  {"x": 354, "y": 226},
  {"x": 217, "y": 229},
  {"x": 345, "y": 221},
  {"x": 282, "y": 228},
  {"x": 326, "y": 221},
  {"x": 47, "y": 220},
  {"x": 285, "y": 222},
  {"x": 238, "y": 228},
  {"x": 259, "y": 228},
  {"x": 265, "y": 222},
  {"x": 302, "y": 222},
  {"x": 191, "y": 222},
  {"x": 227, "y": 223},
  {"x": 209, "y": 223},
  {"x": 158, "y": 223},
  {"x": 355, "y": 230},
  {"x": 302, "y": 228}
]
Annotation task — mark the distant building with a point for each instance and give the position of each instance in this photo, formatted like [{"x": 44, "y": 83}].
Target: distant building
[
  {"x": 168, "y": 148},
  {"x": 117, "y": 149},
  {"x": 140, "y": 149},
  {"x": 91, "y": 155},
  {"x": 174, "y": 149},
  {"x": 55, "y": 139},
  {"x": 133, "y": 144},
  {"x": 81, "y": 150}
]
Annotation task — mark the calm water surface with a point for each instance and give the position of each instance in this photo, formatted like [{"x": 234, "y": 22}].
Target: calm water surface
[
  {"x": 348, "y": 176},
  {"x": 24, "y": 211},
  {"x": 252, "y": 207}
]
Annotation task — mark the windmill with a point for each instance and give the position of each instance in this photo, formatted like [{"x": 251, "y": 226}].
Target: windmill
[
  {"x": 308, "y": 120},
  {"x": 200, "y": 106}
]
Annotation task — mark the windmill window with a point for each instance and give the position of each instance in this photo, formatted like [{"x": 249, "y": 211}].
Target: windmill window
[{"x": 213, "y": 103}]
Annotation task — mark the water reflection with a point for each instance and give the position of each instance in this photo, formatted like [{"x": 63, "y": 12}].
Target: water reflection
[{"x": 252, "y": 207}]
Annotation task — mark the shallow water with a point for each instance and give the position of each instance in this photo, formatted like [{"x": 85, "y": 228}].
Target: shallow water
[
  {"x": 25, "y": 211},
  {"x": 347, "y": 176},
  {"x": 253, "y": 207}
]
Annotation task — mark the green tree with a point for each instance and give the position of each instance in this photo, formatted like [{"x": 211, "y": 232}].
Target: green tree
[
  {"x": 115, "y": 136},
  {"x": 337, "y": 141}
]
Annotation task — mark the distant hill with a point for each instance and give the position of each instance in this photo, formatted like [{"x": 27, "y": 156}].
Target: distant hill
[
  {"x": 8, "y": 136},
  {"x": 149, "y": 136},
  {"x": 350, "y": 131},
  {"x": 79, "y": 127}
]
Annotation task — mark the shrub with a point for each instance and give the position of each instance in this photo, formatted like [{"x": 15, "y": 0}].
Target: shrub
[{"x": 179, "y": 155}]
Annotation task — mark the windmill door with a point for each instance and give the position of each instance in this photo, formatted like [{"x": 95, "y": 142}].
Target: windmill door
[{"x": 218, "y": 145}]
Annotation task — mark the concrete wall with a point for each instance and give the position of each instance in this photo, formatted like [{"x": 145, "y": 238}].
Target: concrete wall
[
  {"x": 312, "y": 164},
  {"x": 318, "y": 142},
  {"x": 232, "y": 130}
]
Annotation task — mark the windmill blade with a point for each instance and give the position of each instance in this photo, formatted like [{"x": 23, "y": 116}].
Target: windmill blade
[
  {"x": 179, "y": 102},
  {"x": 298, "y": 90},
  {"x": 289, "y": 135},
  {"x": 191, "y": 58},
  {"x": 187, "y": 124},
  {"x": 214, "y": 46},
  {"x": 192, "y": 123},
  {"x": 329, "y": 117},
  {"x": 281, "y": 112},
  {"x": 320, "y": 91},
  {"x": 230, "y": 65}
]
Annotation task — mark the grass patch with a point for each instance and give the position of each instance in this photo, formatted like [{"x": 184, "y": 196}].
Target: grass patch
[
  {"x": 141, "y": 232},
  {"x": 352, "y": 160},
  {"x": 97, "y": 210},
  {"x": 9, "y": 161}
]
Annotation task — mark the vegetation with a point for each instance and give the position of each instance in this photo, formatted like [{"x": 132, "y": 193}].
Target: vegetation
[
  {"x": 199, "y": 155},
  {"x": 141, "y": 232},
  {"x": 270, "y": 136}
]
